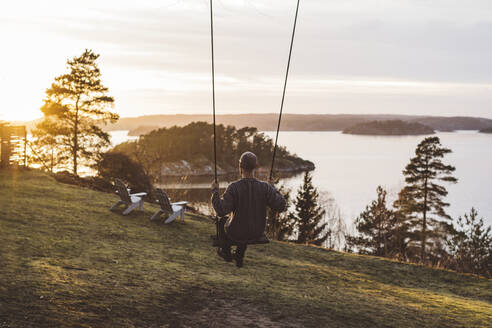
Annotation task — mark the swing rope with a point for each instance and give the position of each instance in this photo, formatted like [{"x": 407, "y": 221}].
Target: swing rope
[
  {"x": 283, "y": 93},
  {"x": 213, "y": 86}
]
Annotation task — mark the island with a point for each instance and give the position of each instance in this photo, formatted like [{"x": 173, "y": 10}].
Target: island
[
  {"x": 389, "y": 128},
  {"x": 486, "y": 130},
  {"x": 188, "y": 151}
]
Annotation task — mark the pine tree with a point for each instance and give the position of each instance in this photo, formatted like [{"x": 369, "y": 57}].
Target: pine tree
[
  {"x": 377, "y": 228},
  {"x": 309, "y": 214},
  {"x": 280, "y": 226},
  {"x": 421, "y": 202},
  {"x": 78, "y": 102},
  {"x": 45, "y": 150},
  {"x": 471, "y": 245}
]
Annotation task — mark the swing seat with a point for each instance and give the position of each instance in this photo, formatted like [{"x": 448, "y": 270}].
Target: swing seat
[
  {"x": 262, "y": 240},
  {"x": 216, "y": 240}
]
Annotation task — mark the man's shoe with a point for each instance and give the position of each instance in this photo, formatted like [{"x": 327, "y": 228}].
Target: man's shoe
[
  {"x": 239, "y": 260},
  {"x": 224, "y": 254}
]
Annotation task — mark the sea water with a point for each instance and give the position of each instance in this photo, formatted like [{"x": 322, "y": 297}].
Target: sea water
[{"x": 349, "y": 168}]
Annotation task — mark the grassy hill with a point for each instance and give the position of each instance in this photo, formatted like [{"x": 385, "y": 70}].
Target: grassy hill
[{"x": 67, "y": 261}]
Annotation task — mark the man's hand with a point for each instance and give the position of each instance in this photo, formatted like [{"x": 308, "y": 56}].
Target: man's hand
[{"x": 215, "y": 185}]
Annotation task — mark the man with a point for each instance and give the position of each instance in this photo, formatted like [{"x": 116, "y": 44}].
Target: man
[{"x": 247, "y": 199}]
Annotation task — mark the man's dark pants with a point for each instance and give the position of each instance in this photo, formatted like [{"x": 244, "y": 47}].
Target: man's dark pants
[{"x": 226, "y": 243}]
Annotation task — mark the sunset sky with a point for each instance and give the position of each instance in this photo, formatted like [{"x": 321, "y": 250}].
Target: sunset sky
[{"x": 381, "y": 56}]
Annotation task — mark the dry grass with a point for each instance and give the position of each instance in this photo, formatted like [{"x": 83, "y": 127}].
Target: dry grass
[{"x": 67, "y": 261}]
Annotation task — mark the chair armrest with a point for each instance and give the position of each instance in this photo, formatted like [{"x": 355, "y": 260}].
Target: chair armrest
[
  {"x": 180, "y": 203},
  {"x": 140, "y": 194}
]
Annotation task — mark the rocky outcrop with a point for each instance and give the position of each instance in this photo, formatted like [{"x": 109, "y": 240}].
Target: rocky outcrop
[
  {"x": 389, "y": 128},
  {"x": 204, "y": 167},
  {"x": 186, "y": 168}
]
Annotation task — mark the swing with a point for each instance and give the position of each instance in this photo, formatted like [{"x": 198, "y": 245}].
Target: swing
[{"x": 216, "y": 240}]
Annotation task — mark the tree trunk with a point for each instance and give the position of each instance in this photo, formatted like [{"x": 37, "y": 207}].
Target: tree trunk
[
  {"x": 52, "y": 157},
  {"x": 424, "y": 224},
  {"x": 378, "y": 249},
  {"x": 385, "y": 243},
  {"x": 76, "y": 137}
]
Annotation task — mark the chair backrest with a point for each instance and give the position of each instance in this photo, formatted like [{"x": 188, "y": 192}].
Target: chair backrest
[
  {"x": 122, "y": 191},
  {"x": 164, "y": 200}
]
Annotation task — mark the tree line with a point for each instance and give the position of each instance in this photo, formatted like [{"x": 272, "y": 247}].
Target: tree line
[
  {"x": 194, "y": 143},
  {"x": 416, "y": 228}
]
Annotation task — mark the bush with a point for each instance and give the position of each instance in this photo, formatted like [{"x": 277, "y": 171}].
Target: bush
[
  {"x": 471, "y": 245},
  {"x": 95, "y": 183},
  {"x": 114, "y": 165}
]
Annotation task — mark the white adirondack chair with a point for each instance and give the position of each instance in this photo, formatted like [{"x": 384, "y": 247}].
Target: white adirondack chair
[
  {"x": 131, "y": 201},
  {"x": 173, "y": 210}
]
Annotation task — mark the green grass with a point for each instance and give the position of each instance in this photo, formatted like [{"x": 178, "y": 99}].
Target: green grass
[{"x": 67, "y": 261}]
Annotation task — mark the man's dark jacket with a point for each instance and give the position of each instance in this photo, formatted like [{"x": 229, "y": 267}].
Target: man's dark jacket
[{"x": 248, "y": 200}]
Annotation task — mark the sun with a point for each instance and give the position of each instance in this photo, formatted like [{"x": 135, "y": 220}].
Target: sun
[
  {"x": 22, "y": 85},
  {"x": 26, "y": 71},
  {"x": 20, "y": 102}
]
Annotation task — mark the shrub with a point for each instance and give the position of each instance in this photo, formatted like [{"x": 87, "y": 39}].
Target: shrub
[{"x": 114, "y": 165}]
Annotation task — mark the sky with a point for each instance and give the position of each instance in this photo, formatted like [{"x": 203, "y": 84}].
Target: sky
[{"x": 353, "y": 56}]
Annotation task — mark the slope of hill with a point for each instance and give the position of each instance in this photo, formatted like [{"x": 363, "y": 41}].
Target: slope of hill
[
  {"x": 298, "y": 122},
  {"x": 389, "y": 128},
  {"x": 67, "y": 261}
]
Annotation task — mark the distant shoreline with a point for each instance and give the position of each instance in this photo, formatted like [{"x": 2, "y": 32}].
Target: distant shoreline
[
  {"x": 291, "y": 122},
  {"x": 341, "y": 132},
  {"x": 296, "y": 122}
]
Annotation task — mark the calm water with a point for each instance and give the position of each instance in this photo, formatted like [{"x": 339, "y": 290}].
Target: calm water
[
  {"x": 118, "y": 137},
  {"x": 349, "y": 168}
]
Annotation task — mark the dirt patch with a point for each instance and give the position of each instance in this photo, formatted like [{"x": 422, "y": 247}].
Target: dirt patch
[{"x": 231, "y": 314}]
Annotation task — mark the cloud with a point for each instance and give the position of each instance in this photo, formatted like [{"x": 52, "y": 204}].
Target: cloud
[
  {"x": 348, "y": 40},
  {"x": 161, "y": 51}
]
